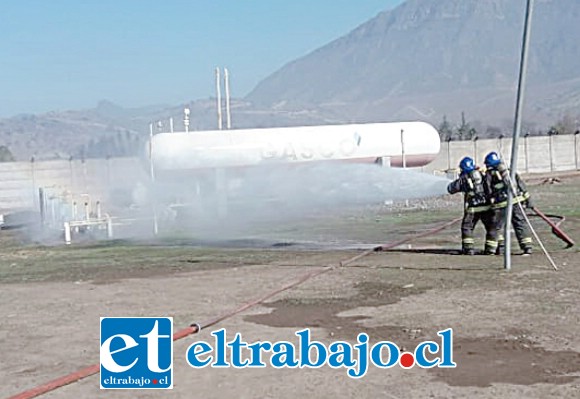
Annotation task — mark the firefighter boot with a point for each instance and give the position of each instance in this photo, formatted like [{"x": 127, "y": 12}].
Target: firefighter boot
[{"x": 468, "y": 251}]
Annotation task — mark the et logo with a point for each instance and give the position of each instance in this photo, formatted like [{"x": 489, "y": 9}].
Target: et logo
[{"x": 136, "y": 353}]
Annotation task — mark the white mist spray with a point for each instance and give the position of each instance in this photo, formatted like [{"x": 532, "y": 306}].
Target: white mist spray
[{"x": 237, "y": 204}]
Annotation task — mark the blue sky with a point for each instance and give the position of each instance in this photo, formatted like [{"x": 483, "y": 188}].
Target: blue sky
[{"x": 69, "y": 54}]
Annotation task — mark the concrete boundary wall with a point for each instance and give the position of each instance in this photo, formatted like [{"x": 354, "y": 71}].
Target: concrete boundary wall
[
  {"x": 536, "y": 154},
  {"x": 95, "y": 178},
  {"x": 99, "y": 178}
]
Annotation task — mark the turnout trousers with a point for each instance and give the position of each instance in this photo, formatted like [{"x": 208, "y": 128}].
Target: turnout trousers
[
  {"x": 470, "y": 220},
  {"x": 521, "y": 228}
]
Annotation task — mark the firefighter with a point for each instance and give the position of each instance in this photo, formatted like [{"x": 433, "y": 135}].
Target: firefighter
[
  {"x": 477, "y": 207},
  {"x": 498, "y": 177}
]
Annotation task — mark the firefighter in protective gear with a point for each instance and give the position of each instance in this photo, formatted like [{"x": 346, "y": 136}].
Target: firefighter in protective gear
[
  {"x": 499, "y": 180},
  {"x": 477, "y": 207}
]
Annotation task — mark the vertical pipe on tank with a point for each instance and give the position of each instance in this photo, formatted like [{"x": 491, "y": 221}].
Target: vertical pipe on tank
[
  {"x": 219, "y": 97},
  {"x": 403, "y": 157},
  {"x": 227, "y": 89},
  {"x": 186, "y": 112}
]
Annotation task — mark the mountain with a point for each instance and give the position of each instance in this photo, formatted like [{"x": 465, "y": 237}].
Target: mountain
[
  {"x": 111, "y": 130},
  {"x": 423, "y": 60},
  {"x": 427, "y": 58}
]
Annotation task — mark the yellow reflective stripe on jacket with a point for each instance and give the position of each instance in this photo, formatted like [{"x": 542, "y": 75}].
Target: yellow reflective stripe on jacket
[
  {"x": 477, "y": 209},
  {"x": 499, "y": 205},
  {"x": 520, "y": 198}
]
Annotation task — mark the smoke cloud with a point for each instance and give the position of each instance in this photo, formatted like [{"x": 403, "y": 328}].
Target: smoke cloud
[{"x": 233, "y": 204}]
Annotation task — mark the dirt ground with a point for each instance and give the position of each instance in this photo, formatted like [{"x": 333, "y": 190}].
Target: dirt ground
[{"x": 516, "y": 334}]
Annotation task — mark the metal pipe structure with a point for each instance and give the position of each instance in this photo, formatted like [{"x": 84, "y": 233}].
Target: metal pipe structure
[
  {"x": 67, "y": 233},
  {"x": 186, "y": 113},
  {"x": 576, "y": 148},
  {"x": 517, "y": 128},
  {"x": 33, "y": 180},
  {"x": 152, "y": 175},
  {"x": 449, "y": 154},
  {"x": 537, "y": 237},
  {"x": 513, "y": 190},
  {"x": 71, "y": 169},
  {"x": 109, "y": 227},
  {"x": 85, "y": 173},
  {"x": 151, "y": 171},
  {"x": 227, "y": 90},
  {"x": 551, "y": 146},
  {"x": 54, "y": 218},
  {"x": 527, "y": 152},
  {"x": 403, "y": 158},
  {"x": 42, "y": 206},
  {"x": 219, "y": 98}
]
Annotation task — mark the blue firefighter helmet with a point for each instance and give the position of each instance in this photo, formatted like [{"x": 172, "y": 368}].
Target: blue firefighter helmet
[
  {"x": 492, "y": 160},
  {"x": 467, "y": 165}
]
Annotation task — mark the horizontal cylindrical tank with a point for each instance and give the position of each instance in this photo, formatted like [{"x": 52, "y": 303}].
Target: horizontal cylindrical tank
[{"x": 418, "y": 141}]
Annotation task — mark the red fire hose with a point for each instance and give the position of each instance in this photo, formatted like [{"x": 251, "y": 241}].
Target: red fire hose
[
  {"x": 196, "y": 327},
  {"x": 192, "y": 329},
  {"x": 556, "y": 230},
  {"x": 402, "y": 241}
]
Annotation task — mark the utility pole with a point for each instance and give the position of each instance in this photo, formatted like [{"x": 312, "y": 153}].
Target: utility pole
[{"x": 517, "y": 128}]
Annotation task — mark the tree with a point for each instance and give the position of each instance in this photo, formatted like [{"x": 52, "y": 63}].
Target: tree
[
  {"x": 6, "y": 155},
  {"x": 492, "y": 131},
  {"x": 465, "y": 131},
  {"x": 121, "y": 144},
  {"x": 445, "y": 130},
  {"x": 566, "y": 124}
]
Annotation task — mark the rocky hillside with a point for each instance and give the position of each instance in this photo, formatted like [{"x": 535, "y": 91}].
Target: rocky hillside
[{"x": 427, "y": 58}]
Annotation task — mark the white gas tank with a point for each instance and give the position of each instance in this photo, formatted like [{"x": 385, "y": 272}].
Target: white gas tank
[{"x": 417, "y": 142}]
